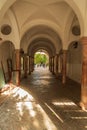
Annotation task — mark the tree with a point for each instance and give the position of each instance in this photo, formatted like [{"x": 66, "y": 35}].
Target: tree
[{"x": 40, "y": 58}]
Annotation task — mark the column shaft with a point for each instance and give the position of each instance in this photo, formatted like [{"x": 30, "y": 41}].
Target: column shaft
[
  {"x": 25, "y": 66},
  {"x": 29, "y": 64},
  {"x": 64, "y": 66},
  {"x": 18, "y": 59},
  {"x": 84, "y": 74},
  {"x": 57, "y": 64},
  {"x": 53, "y": 65}
]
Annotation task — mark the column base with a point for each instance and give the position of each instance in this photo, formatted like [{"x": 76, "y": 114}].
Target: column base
[
  {"x": 25, "y": 76},
  {"x": 83, "y": 106},
  {"x": 29, "y": 73},
  {"x": 57, "y": 75}
]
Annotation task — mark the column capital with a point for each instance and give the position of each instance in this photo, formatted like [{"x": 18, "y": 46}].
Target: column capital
[
  {"x": 17, "y": 50},
  {"x": 25, "y": 54},
  {"x": 83, "y": 40}
]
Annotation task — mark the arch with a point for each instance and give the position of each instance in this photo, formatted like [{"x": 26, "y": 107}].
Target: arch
[
  {"x": 41, "y": 43},
  {"x": 10, "y": 48},
  {"x": 44, "y": 50},
  {"x": 40, "y": 22},
  {"x": 74, "y": 61},
  {"x": 41, "y": 50},
  {"x": 6, "y": 52},
  {"x": 41, "y": 32},
  {"x": 15, "y": 28},
  {"x": 37, "y": 36},
  {"x": 78, "y": 13},
  {"x": 66, "y": 31},
  {"x": 7, "y": 42},
  {"x": 5, "y": 5}
]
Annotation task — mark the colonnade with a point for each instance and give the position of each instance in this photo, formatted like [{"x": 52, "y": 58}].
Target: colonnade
[
  {"x": 61, "y": 60},
  {"x": 57, "y": 65},
  {"x": 28, "y": 65}
]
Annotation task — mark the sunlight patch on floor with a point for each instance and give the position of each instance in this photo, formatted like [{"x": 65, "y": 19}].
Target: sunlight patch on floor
[
  {"x": 23, "y": 95},
  {"x": 24, "y": 113},
  {"x": 79, "y": 118},
  {"x": 64, "y": 103}
]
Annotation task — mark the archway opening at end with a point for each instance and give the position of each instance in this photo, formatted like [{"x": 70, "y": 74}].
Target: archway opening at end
[{"x": 41, "y": 60}]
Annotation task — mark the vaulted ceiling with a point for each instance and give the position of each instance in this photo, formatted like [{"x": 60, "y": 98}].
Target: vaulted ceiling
[{"x": 45, "y": 24}]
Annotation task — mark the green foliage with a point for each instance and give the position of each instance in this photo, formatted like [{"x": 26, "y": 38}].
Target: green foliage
[{"x": 40, "y": 58}]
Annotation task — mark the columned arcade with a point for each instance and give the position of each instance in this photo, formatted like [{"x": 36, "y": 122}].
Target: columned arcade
[{"x": 58, "y": 27}]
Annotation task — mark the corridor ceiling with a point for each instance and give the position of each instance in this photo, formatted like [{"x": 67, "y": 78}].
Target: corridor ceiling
[{"x": 41, "y": 24}]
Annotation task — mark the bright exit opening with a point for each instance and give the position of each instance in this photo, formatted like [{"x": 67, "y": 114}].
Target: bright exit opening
[{"x": 41, "y": 59}]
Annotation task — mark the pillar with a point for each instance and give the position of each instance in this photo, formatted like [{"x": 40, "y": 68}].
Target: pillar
[
  {"x": 53, "y": 64},
  {"x": 64, "y": 61},
  {"x": 17, "y": 59},
  {"x": 25, "y": 65},
  {"x": 57, "y": 64},
  {"x": 32, "y": 64},
  {"x": 83, "y": 102},
  {"x": 29, "y": 64},
  {"x": 50, "y": 64}
]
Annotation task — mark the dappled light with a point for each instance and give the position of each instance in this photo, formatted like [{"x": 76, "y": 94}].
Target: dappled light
[
  {"x": 24, "y": 112},
  {"x": 41, "y": 103}
]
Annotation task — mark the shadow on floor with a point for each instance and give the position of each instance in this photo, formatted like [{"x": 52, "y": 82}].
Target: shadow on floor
[{"x": 60, "y": 102}]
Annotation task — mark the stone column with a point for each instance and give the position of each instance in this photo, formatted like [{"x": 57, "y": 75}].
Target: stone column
[
  {"x": 50, "y": 64},
  {"x": 53, "y": 65},
  {"x": 60, "y": 64},
  {"x": 83, "y": 102},
  {"x": 64, "y": 61},
  {"x": 57, "y": 56},
  {"x": 29, "y": 64},
  {"x": 32, "y": 64},
  {"x": 25, "y": 65},
  {"x": 18, "y": 61}
]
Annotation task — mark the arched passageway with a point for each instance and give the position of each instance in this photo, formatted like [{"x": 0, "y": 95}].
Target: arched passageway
[
  {"x": 59, "y": 28},
  {"x": 58, "y": 100}
]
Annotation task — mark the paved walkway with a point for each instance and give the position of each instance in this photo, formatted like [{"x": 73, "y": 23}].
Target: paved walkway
[{"x": 43, "y": 103}]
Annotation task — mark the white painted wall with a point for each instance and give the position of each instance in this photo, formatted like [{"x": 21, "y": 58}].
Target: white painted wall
[{"x": 74, "y": 65}]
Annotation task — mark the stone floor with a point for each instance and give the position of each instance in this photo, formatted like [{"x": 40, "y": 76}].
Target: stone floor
[{"x": 42, "y": 103}]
